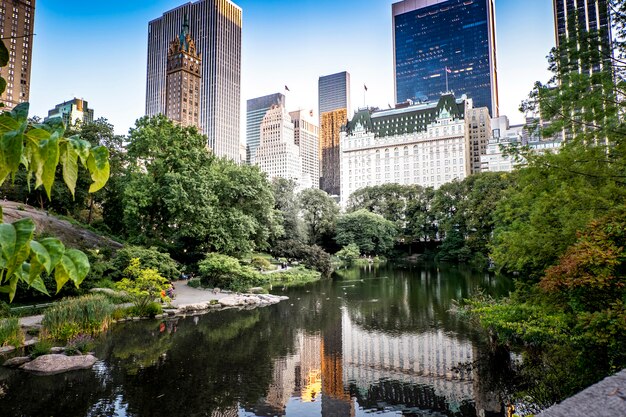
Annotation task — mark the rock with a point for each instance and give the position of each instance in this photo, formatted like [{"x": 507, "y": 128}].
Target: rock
[
  {"x": 231, "y": 301},
  {"x": 17, "y": 361},
  {"x": 57, "y": 349},
  {"x": 57, "y": 364},
  {"x": 31, "y": 342},
  {"x": 6, "y": 349},
  {"x": 256, "y": 290}
]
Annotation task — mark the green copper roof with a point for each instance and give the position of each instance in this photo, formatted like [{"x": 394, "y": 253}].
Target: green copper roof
[{"x": 410, "y": 119}]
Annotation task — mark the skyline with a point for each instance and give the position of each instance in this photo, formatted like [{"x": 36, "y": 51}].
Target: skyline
[{"x": 103, "y": 59}]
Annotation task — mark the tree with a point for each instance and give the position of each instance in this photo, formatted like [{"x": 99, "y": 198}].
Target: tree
[
  {"x": 287, "y": 205},
  {"x": 203, "y": 203},
  {"x": 371, "y": 233},
  {"x": 349, "y": 253},
  {"x": 319, "y": 212}
]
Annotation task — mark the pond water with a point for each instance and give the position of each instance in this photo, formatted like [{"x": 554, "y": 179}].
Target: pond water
[{"x": 373, "y": 340}]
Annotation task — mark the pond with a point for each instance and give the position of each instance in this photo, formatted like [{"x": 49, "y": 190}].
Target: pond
[{"x": 373, "y": 340}]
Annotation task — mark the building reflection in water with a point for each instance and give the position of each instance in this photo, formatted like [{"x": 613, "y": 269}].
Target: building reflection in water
[{"x": 345, "y": 367}]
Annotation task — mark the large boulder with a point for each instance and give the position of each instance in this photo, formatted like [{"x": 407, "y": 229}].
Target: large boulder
[
  {"x": 57, "y": 364},
  {"x": 17, "y": 361}
]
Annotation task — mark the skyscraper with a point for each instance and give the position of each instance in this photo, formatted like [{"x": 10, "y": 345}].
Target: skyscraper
[
  {"x": 255, "y": 112},
  {"x": 216, "y": 26},
  {"x": 278, "y": 155},
  {"x": 307, "y": 137},
  {"x": 445, "y": 45},
  {"x": 334, "y": 103},
  {"x": 17, "y": 19},
  {"x": 573, "y": 18},
  {"x": 184, "y": 66},
  {"x": 72, "y": 111}
]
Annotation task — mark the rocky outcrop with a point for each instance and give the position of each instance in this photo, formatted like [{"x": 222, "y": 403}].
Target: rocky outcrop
[
  {"x": 17, "y": 361},
  {"x": 239, "y": 300},
  {"x": 57, "y": 364}
]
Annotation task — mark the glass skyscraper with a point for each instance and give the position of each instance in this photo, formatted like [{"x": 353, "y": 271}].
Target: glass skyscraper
[
  {"x": 255, "y": 112},
  {"x": 445, "y": 45}
]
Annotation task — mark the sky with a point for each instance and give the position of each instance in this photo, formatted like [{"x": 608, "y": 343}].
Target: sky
[{"x": 96, "y": 50}]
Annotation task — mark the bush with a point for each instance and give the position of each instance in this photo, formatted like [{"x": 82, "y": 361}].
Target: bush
[
  {"x": 313, "y": 257},
  {"x": 295, "y": 276},
  {"x": 349, "y": 253},
  {"x": 149, "y": 258},
  {"x": 11, "y": 333},
  {"x": 261, "y": 264},
  {"x": 80, "y": 344},
  {"x": 143, "y": 285},
  {"x": 5, "y": 309},
  {"x": 90, "y": 315},
  {"x": 153, "y": 309},
  {"x": 225, "y": 272},
  {"x": 194, "y": 283},
  {"x": 41, "y": 348}
]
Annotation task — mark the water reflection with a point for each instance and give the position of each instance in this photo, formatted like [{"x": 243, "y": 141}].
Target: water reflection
[{"x": 373, "y": 340}]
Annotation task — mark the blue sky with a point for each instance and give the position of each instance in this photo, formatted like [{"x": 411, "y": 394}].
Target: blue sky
[{"x": 97, "y": 50}]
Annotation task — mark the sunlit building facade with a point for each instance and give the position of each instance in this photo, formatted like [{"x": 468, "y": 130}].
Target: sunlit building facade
[
  {"x": 75, "y": 111},
  {"x": 445, "y": 45},
  {"x": 17, "y": 19},
  {"x": 334, "y": 104},
  {"x": 278, "y": 155},
  {"x": 479, "y": 130},
  {"x": 425, "y": 144},
  {"x": 184, "y": 80},
  {"x": 307, "y": 138},
  {"x": 216, "y": 27},
  {"x": 255, "y": 112}
]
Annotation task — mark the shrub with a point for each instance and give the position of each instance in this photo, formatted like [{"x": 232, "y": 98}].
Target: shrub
[
  {"x": 261, "y": 264},
  {"x": 143, "y": 285},
  {"x": 349, "y": 253},
  {"x": 90, "y": 315},
  {"x": 79, "y": 344},
  {"x": 41, "y": 348},
  {"x": 194, "y": 283},
  {"x": 153, "y": 309},
  {"x": 225, "y": 272},
  {"x": 312, "y": 257},
  {"x": 11, "y": 333},
  {"x": 5, "y": 309},
  {"x": 149, "y": 257}
]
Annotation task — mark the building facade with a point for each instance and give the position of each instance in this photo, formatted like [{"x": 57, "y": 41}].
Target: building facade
[
  {"x": 505, "y": 138},
  {"x": 425, "y": 144},
  {"x": 573, "y": 18},
  {"x": 445, "y": 45},
  {"x": 216, "y": 25},
  {"x": 479, "y": 125},
  {"x": 17, "y": 19},
  {"x": 307, "y": 138},
  {"x": 278, "y": 155},
  {"x": 255, "y": 112},
  {"x": 184, "y": 80},
  {"x": 72, "y": 112},
  {"x": 334, "y": 104}
]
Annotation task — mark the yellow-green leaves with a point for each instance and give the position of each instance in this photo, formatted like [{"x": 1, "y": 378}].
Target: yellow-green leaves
[
  {"x": 25, "y": 259},
  {"x": 39, "y": 148}
]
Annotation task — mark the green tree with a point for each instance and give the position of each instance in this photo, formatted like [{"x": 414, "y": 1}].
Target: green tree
[
  {"x": 319, "y": 212},
  {"x": 372, "y": 233},
  {"x": 203, "y": 203},
  {"x": 288, "y": 207},
  {"x": 349, "y": 253},
  {"x": 143, "y": 285}
]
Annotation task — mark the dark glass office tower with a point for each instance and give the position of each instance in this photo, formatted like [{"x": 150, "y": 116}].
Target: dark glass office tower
[
  {"x": 572, "y": 18},
  {"x": 439, "y": 40}
]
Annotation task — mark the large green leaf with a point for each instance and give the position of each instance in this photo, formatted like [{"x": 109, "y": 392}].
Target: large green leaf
[
  {"x": 39, "y": 285},
  {"x": 65, "y": 271},
  {"x": 7, "y": 241},
  {"x": 37, "y": 135},
  {"x": 49, "y": 152},
  {"x": 55, "y": 249},
  {"x": 41, "y": 255},
  {"x": 81, "y": 147},
  {"x": 81, "y": 263},
  {"x": 69, "y": 161},
  {"x": 99, "y": 168},
  {"x": 7, "y": 123},
  {"x": 20, "y": 112},
  {"x": 12, "y": 147},
  {"x": 24, "y": 231}
]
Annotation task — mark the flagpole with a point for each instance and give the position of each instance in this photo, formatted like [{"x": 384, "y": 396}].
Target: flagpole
[{"x": 446, "y": 71}]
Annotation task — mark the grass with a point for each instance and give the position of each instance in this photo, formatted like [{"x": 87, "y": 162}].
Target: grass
[
  {"x": 10, "y": 332},
  {"x": 88, "y": 315}
]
